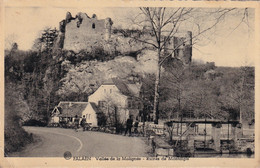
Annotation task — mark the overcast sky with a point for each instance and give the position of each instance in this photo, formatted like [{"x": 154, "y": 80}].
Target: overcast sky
[{"x": 225, "y": 48}]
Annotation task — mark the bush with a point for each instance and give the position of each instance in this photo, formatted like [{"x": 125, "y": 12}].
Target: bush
[
  {"x": 15, "y": 136},
  {"x": 34, "y": 122}
]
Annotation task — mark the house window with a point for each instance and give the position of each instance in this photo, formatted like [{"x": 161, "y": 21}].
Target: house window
[
  {"x": 89, "y": 116},
  {"x": 130, "y": 102},
  {"x": 93, "y": 26},
  {"x": 110, "y": 90}
]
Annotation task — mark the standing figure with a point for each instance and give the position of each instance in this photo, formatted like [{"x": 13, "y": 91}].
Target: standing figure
[
  {"x": 136, "y": 127},
  {"x": 76, "y": 123},
  {"x": 129, "y": 125},
  {"x": 83, "y": 123}
]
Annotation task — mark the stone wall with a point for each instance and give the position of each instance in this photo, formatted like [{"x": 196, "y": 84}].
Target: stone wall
[
  {"x": 183, "y": 47},
  {"x": 88, "y": 33},
  {"x": 122, "y": 45},
  {"x": 84, "y": 32}
]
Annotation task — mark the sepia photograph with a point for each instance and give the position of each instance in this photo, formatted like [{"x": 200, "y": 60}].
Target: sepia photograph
[{"x": 129, "y": 82}]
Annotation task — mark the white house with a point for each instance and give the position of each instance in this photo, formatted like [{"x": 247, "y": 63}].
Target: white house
[
  {"x": 113, "y": 96},
  {"x": 67, "y": 111},
  {"x": 122, "y": 94}
]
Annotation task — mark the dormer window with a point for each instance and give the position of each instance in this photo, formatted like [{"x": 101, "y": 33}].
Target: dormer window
[{"x": 93, "y": 26}]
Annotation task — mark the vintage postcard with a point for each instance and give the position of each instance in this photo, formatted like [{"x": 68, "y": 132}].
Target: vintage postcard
[{"x": 129, "y": 83}]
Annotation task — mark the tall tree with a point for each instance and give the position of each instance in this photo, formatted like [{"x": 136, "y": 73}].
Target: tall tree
[
  {"x": 48, "y": 38},
  {"x": 237, "y": 96},
  {"x": 163, "y": 24}
]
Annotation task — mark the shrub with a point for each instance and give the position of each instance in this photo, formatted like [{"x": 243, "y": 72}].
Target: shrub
[{"x": 15, "y": 136}]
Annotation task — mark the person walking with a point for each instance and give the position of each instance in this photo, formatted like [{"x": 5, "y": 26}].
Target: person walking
[{"x": 129, "y": 125}]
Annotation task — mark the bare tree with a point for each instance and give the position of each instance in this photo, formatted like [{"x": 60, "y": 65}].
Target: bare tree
[
  {"x": 170, "y": 129},
  {"x": 162, "y": 24},
  {"x": 111, "y": 108},
  {"x": 238, "y": 97}
]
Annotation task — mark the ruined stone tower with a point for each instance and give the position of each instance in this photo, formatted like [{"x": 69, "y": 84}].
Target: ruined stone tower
[
  {"x": 183, "y": 47},
  {"x": 83, "y": 32}
]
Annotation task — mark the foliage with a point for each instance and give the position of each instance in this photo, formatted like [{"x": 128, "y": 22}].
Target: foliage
[
  {"x": 15, "y": 106},
  {"x": 163, "y": 24},
  {"x": 35, "y": 81},
  {"x": 45, "y": 77},
  {"x": 128, "y": 32},
  {"x": 37, "y": 75},
  {"x": 48, "y": 38},
  {"x": 188, "y": 92},
  {"x": 110, "y": 115}
]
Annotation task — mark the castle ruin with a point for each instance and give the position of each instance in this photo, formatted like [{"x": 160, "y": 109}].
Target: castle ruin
[
  {"x": 86, "y": 33},
  {"x": 83, "y": 31},
  {"x": 183, "y": 47}
]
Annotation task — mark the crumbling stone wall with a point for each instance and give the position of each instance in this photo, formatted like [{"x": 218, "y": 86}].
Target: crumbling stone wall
[
  {"x": 84, "y": 32},
  {"x": 183, "y": 47},
  {"x": 87, "y": 33},
  {"x": 122, "y": 45}
]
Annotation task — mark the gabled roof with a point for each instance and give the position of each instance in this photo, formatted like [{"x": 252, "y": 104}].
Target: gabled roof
[
  {"x": 71, "y": 109},
  {"x": 125, "y": 87},
  {"x": 95, "y": 108}
]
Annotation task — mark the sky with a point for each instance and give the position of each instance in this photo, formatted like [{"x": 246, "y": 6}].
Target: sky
[{"x": 231, "y": 44}]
